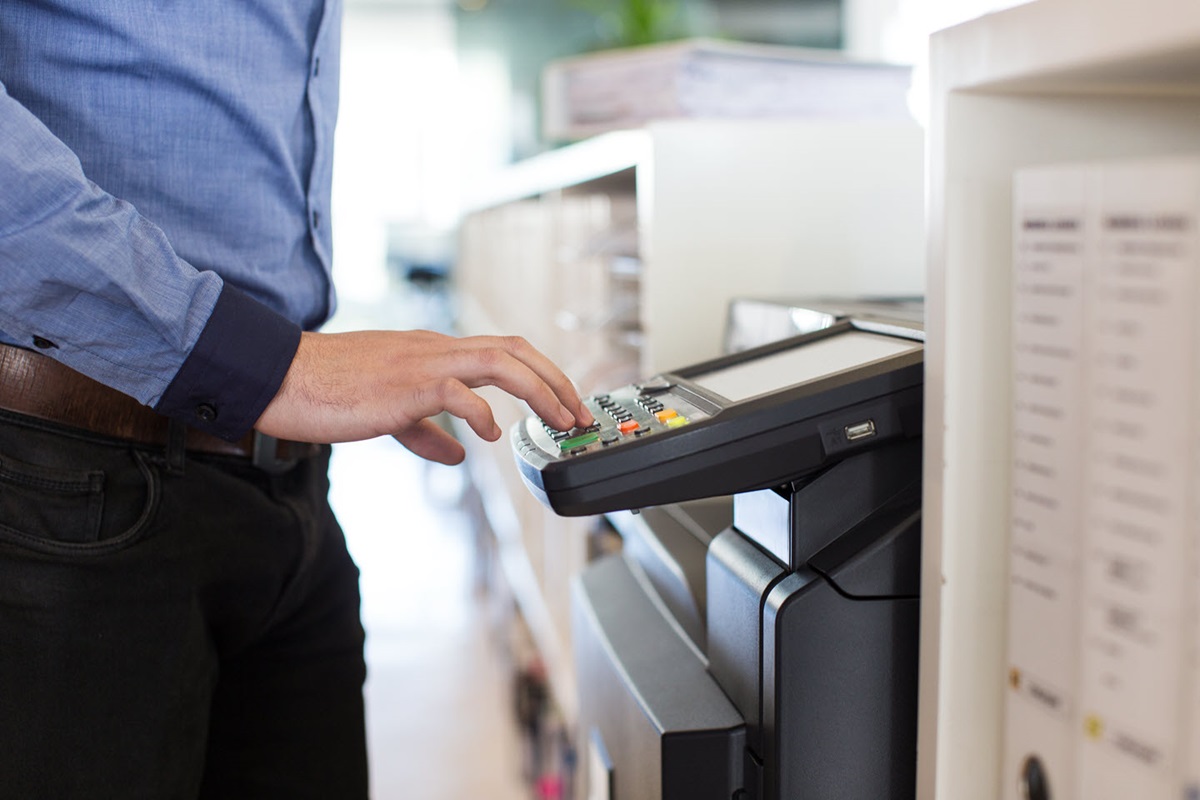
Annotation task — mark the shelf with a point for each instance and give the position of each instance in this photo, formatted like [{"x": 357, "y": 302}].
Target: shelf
[
  {"x": 554, "y": 170},
  {"x": 1093, "y": 46},
  {"x": 1049, "y": 82},
  {"x": 538, "y": 551},
  {"x": 523, "y": 581}
]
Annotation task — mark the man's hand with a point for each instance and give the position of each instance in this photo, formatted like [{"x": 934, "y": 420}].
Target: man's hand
[{"x": 345, "y": 387}]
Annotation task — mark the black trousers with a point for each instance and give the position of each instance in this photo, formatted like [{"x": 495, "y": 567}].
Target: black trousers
[{"x": 167, "y": 635}]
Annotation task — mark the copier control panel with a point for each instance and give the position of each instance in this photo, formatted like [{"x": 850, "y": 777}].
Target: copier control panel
[{"x": 747, "y": 421}]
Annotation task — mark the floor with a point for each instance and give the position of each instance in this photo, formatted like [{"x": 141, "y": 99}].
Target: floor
[{"x": 439, "y": 719}]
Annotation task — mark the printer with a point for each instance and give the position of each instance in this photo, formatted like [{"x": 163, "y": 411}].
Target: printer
[{"x": 756, "y": 638}]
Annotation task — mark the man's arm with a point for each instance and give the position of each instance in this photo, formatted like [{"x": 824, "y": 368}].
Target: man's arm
[
  {"x": 98, "y": 287},
  {"x": 89, "y": 281}
]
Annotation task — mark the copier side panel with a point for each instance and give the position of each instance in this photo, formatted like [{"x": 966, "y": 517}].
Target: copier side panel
[{"x": 839, "y": 693}]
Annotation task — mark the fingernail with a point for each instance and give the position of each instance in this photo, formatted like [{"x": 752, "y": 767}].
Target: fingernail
[
  {"x": 495, "y": 432},
  {"x": 584, "y": 414},
  {"x": 567, "y": 418}
]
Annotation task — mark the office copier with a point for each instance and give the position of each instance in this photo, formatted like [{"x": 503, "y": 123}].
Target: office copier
[{"x": 763, "y": 648}]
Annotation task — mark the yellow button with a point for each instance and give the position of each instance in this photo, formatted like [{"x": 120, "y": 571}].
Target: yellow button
[
  {"x": 677, "y": 422},
  {"x": 663, "y": 416}
]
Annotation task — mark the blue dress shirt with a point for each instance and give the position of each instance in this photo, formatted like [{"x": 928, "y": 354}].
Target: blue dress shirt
[{"x": 164, "y": 193}]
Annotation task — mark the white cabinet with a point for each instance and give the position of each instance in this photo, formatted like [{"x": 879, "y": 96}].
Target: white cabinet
[
  {"x": 618, "y": 256},
  {"x": 1049, "y": 82}
]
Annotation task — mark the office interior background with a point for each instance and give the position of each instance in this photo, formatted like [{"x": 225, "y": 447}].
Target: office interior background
[
  {"x": 441, "y": 99},
  {"x": 438, "y": 96}
]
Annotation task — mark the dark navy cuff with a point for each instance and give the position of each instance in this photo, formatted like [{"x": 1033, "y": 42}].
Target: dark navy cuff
[{"x": 234, "y": 370}]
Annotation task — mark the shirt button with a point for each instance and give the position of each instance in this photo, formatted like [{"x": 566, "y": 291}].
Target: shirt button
[
  {"x": 316, "y": 66},
  {"x": 206, "y": 412},
  {"x": 316, "y": 219},
  {"x": 42, "y": 343}
]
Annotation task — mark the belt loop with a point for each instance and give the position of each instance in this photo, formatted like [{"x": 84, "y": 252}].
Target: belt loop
[
  {"x": 266, "y": 455},
  {"x": 176, "y": 447}
]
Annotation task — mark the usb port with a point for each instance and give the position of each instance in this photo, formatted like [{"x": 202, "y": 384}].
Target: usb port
[{"x": 860, "y": 431}]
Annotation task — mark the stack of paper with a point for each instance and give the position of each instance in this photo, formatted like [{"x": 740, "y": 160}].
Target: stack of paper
[
  {"x": 702, "y": 78},
  {"x": 1103, "y": 622}
]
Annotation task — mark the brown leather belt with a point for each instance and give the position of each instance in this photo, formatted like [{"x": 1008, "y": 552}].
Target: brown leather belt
[{"x": 38, "y": 386}]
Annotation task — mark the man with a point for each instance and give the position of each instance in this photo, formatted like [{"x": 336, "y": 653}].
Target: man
[{"x": 178, "y": 612}]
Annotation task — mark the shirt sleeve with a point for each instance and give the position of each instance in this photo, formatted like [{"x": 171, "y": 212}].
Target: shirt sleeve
[
  {"x": 90, "y": 282},
  {"x": 235, "y": 368}
]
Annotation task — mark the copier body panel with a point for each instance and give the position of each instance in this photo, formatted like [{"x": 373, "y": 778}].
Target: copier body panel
[{"x": 790, "y": 672}]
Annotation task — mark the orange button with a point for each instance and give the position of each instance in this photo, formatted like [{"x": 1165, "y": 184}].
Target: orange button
[
  {"x": 663, "y": 416},
  {"x": 628, "y": 426}
]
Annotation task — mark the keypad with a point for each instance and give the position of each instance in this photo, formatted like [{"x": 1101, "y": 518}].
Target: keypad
[{"x": 625, "y": 415}]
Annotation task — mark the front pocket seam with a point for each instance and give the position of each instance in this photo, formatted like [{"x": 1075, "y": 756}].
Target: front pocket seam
[
  {"x": 33, "y": 482},
  {"x": 108, "y": 545}
]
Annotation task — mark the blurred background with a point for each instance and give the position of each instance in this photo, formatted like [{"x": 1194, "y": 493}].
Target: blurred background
[
  {"x": 442, "y": 102},
  {"x": 438, "y": 95}
]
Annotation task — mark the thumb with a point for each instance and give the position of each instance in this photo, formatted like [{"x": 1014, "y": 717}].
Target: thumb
[{"x": 429, "y": 441}]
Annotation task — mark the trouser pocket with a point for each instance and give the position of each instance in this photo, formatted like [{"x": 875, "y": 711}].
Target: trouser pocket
[
  {"x": 52, "y": 507},
  {"x": 48, "y": 503}
]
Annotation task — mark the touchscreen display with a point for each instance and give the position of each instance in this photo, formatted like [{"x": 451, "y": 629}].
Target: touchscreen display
[{"x": 801, "y": 364}]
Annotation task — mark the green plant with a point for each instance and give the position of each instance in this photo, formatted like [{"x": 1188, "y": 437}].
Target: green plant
[{"x": 635, "y": 22}]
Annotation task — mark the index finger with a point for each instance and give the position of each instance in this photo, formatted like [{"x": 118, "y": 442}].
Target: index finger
[{"x": 545, "y": 369}]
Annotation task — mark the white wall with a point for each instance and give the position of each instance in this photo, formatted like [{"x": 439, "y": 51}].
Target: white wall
[
  {"x": 898, "y": 30},
  {"x": 396, "y": 155}
]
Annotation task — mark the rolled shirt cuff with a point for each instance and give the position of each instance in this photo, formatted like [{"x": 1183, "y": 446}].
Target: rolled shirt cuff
[{"x": 235, "y": 368}]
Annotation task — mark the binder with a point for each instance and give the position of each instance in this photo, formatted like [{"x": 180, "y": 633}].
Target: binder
[
  {"x": 1140, "y": 393},
  {"x": 1127, "y": 722},
  {"x": 1050, "y": 255}
]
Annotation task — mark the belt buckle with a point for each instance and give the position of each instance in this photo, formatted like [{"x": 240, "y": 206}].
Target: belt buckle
[{"x": 265, "y": 455}]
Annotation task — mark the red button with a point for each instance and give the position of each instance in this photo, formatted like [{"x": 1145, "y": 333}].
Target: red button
[{"x": 628, "y": 427}]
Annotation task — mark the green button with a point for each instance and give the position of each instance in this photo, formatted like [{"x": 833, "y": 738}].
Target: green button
[{"x": 578, "y": 441}]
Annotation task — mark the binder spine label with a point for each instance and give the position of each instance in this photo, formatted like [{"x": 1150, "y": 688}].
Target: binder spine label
[
  {"x": 1104, "y": 604},
  {"x": 1051, "y": 245}
]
